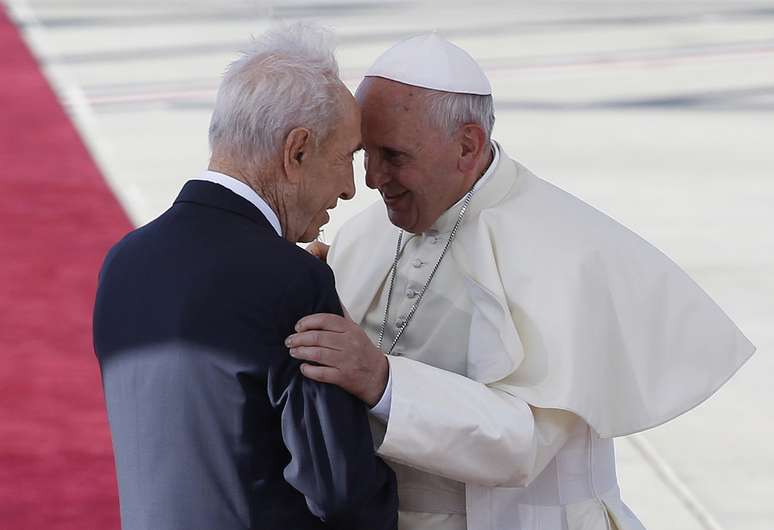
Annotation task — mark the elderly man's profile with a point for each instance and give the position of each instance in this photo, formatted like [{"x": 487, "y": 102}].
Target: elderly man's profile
[{"x": 213, "y": 425}]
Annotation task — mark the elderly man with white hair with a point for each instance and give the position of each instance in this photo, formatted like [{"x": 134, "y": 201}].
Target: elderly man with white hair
[
  {"x": 213, "y": 425},
  {"x": 502, "y": 330}
]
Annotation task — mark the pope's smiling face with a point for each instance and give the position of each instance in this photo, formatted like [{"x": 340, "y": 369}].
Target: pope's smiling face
[{"x": 414, "y": 166}]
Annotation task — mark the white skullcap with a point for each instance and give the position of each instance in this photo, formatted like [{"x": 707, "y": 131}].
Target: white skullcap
[{"x": 429, "y": 61}]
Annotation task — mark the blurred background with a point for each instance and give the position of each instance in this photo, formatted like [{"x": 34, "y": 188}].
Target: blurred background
[{"x": 659, "y": 113}]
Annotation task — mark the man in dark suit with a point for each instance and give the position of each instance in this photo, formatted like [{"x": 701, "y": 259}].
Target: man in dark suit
[{"x": 214, "y": 427}]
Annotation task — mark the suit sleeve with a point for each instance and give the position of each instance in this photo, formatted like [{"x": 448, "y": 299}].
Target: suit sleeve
[
  {"x": 326, "y": 431},
  {"x": 449, "y": 425}
]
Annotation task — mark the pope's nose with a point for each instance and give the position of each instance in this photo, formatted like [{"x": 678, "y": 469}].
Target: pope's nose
[{"x": 375, "y": 178}]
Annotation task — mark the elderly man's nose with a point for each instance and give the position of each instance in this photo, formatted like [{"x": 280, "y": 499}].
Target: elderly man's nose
[{"x": 349, "y": 191}]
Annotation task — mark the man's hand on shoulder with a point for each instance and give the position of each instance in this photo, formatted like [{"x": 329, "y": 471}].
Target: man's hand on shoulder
[
  {"x": 319, "y": 250},
  {"x": 343, "y": 353}
]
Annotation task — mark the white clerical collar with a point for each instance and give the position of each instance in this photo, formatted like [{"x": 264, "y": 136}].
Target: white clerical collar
[
  {"x": 489, "y": 171},
  {"x": 246, "y": 192},
  {"x": 445, "y": 222}
]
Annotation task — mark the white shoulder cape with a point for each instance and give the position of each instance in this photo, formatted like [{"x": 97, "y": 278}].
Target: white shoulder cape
[{"x": 572, "y": 310}]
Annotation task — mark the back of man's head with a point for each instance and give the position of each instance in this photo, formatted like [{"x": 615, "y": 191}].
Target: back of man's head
[{"x": 288, "y": 78}]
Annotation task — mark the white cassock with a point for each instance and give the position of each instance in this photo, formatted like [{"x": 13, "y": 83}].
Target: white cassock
[{"x": 548, "y": 330}]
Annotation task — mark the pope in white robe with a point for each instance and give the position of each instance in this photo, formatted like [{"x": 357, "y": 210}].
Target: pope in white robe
[{"x": 547, "y": 329}]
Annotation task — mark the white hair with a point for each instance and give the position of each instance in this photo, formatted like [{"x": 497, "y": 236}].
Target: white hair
[
  {"x": 448, "y": 111},
  {"x": 288, "y": 78}
]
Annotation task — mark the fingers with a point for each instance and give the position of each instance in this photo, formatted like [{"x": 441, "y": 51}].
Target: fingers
[
  {"x": 324, "y": 356},
  {"x": 324, "y": 339},
  {"x": 322, "y": 374},
  {"x": 324, "y": 321},
  {"x": 319, "y": 250}
]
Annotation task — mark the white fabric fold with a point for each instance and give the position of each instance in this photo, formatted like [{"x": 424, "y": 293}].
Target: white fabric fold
[{"x": 575, "y": 312}]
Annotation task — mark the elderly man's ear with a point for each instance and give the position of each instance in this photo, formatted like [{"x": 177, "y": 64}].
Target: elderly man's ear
[
  {"x": 472, "y": 144},
  {"x": 297, "y": 145}
]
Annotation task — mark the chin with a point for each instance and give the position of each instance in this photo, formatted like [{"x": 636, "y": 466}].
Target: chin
[
  {"x": 402, "y": 220},
  {"x": 310, "y": 234},
  {"x": 308, "y": 237}
]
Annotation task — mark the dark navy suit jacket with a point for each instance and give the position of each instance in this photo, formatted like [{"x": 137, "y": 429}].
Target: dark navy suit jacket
[{"x": 213, "y": 425}]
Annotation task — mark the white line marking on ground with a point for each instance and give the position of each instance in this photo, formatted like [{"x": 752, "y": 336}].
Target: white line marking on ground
[
  {"x": 77, "y": 104},
  {"x": 674, "y": 483}
]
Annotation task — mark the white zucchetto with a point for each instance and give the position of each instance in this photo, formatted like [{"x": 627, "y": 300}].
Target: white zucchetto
[{"x": 430, "y": 61}]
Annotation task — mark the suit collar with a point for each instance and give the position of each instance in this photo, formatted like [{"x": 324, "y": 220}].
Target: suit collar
[
  {"x": 216, "y": 196},
  {"x": 244, "y": 191}
]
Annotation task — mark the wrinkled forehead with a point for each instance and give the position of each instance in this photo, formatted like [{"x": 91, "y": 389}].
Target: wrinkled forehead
[
  {"x": 389, "y": 95},
  {"x": 387, "y": 104}
]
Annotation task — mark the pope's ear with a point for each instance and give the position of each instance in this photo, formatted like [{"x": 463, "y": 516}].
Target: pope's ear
[
  {"x": 472, "y": 145},
  {"x": 297, "y": 144}
]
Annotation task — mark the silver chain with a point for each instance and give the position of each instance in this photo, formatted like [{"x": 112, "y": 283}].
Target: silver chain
[{"x": 394, "y": 269}]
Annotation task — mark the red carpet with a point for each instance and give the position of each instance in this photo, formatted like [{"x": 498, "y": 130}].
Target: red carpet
[{"x": 57, "y": 220}]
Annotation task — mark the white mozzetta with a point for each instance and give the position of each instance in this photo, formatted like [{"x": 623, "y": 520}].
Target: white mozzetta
[{"x": 546, "y": 303}]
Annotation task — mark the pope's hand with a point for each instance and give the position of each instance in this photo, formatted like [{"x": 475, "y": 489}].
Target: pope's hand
[
  {"x": 319, "y": 250},
  {"x": 343, "y": 353}
]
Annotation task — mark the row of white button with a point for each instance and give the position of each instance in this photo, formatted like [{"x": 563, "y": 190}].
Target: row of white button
[{"x": 412, "y": 293}]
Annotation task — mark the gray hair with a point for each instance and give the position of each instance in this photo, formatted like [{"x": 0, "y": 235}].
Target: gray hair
[
  {"x": 288, "y": 78},
  {"x": 448, "y": 111}
]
